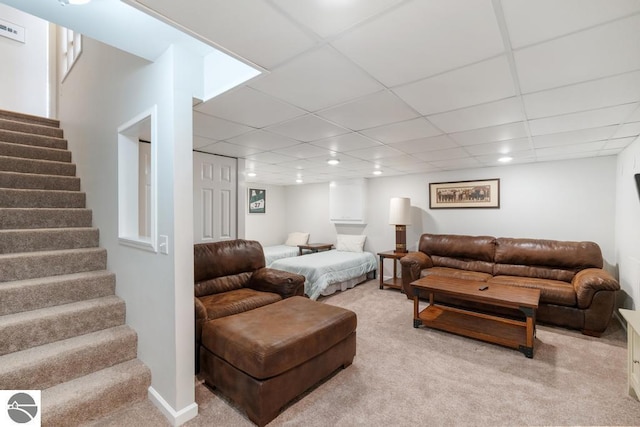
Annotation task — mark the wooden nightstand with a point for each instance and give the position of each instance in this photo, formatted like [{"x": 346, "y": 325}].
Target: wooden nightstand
[
  {"x": 315, "y": 247},
  {"x": 395, "y": 282}
]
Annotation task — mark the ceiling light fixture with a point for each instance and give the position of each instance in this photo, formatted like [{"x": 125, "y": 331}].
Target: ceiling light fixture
[
  {"x": 251, "y": 174},
  {"x": 73, "y": 2},
  {"x": 505, "y": 159},
  {"x": 298, "y": 181},
  {"x": 333, "y": 162},
  {"x": 377, "y": 172}
]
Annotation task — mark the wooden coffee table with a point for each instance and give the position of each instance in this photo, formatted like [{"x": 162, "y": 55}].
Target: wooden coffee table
[{"x": 494, "y": 328}]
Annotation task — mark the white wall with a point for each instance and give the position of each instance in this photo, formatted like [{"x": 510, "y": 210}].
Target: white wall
[
  {"x": 628, "y": 226},
  {"x": 105, "y": 89},
  {"x": 269, "y": 228},
  {"x": 24, "y": 71},
  {"x": 567, "y": 200}
]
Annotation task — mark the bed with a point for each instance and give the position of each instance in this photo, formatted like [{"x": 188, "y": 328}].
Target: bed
[
  {"x": 272, "y": 253},
  {"x": 330, "y": 271},
  {"x": 289, "y": 249}
]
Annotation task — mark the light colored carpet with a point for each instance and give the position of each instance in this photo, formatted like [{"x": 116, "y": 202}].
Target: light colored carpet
[{"x": 403, "y": 376}]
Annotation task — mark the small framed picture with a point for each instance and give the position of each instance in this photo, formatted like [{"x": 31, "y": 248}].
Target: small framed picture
[
  {"x": 257, "y": 201},
  {"x": 465, "y": 194}
]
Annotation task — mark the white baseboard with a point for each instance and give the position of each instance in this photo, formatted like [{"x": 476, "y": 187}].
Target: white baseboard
[{"x": 175, "y": 418}]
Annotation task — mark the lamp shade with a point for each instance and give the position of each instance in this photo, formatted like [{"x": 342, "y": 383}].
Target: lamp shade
[{"x": 400, "y": 211}]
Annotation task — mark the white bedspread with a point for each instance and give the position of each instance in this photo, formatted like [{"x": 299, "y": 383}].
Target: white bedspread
[
  {"x": 325, "y": 268},
  {"x": 272, "y": 253}
]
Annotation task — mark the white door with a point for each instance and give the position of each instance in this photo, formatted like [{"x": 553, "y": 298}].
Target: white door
[{"x": 214, "y": 197}]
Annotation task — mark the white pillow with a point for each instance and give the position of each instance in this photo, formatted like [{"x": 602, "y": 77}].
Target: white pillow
[
  {"x": 297, "y": 238},
  {"x": 350, "y": 242}
]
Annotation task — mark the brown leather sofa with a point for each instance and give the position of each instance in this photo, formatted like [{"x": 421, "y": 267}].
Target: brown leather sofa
[
  {"x": 231, "y": 277},
  {"x": 575, "y": 291}
]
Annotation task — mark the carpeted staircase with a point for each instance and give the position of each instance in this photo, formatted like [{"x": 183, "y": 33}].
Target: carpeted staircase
[{"x": 62, "y": 327}]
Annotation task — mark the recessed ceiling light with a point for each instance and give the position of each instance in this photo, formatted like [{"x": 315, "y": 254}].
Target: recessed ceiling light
[
  {"x": 505, "y": 159},
  {"x": 298, "y": 181},
  {"x": 333, "y": 162},
  {"x": 251, "y": 174},
  {"x": 377, "y": 172}
]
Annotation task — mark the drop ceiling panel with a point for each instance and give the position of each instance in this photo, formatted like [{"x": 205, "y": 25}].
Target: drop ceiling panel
[
  {"x": 598, "y": 52},
  {"x": 455, "y": 164},
  {"x": 421, "y": 145},
  {"x": 475, "y": 84},
  {"x": 570, "y": 149},
  {"x": 451, "y": 153},
  {"x": 252, "y": 29},
  {"x": 402, "y": 131},
  {"x": 574, "y": 137},
  {"x": 432, "y": 36},
  {"x": 215, "y": 128},
  {"x": 375, "y": 153},
  {"x": 303, "y": 151},
  {"x": 327, "y": 18},
  {"x": 618, "y": 143},
  {"x": 605, "y": 92},
  {"x": 249, "y": 107},
  {"x": 226, "y": 149},
  {"x": 262, "y": 140},
  {"x": 316, "y": 80},
  {"x": 635, "y": 116},
  {"x": 346, "y": 142},
  {"x": 532, "y": 22},
  {"x": 501, "y": 147},
  {"x": 199, "y": 141},
  {"x": 583, "y": 120},
  {"x": 307, "y": 128},
  {"x": 480, "y": 116},
  {"x": 629, "y": 129},
  {"x": 490, "y": 134},
  {"x": 378, "y": 109}
]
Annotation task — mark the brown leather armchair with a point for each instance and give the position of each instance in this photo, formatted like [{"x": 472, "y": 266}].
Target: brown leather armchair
[{"x": 231, "y": 277}]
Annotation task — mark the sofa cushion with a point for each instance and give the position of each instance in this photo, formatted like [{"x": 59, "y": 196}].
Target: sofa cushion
[
  {"x": 456, "y": 273},
  {"x": 271, "y": 340},
  {"x": 545, "y": 259},
  {"x": 236, "y": 301},
  {"x": 222, "y": 284},
  {"x": 551, "y": 291},
  {"x": 473, "y": 253}
]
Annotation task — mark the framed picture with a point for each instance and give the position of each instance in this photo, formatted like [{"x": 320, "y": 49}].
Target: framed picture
[
  {"x": 257, "y": 200},
  {"x": 465, "y": 194}
]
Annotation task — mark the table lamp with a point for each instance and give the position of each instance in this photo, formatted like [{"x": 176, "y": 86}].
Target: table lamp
[{"x": 400, "y": 216}]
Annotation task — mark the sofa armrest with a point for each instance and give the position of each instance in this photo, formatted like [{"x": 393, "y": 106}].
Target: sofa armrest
[
  {"x": 277, "y": 281},
  {"x": 411, "y": 265},
  {"x": 591, "y": 280}
]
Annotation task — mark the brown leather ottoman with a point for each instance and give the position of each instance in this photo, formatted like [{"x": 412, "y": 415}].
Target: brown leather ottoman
[{"x": 264, "y": 358}]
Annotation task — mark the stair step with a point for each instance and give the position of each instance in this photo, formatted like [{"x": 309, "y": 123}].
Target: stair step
[
  {"x": 28, "y": 118},
  {"x": 47, "y": 365},
  {"x": 95, "y": 395},
  {"x": 17, "y": 218},
  {"x": 38, "y": 182},
  {"x": 19, "y": 198},
  {"x": 31, "y": 265},
  {"x": 35, "y": 166},
  {"x": 34, "y": 128},
  {"x": 48, "y": 239},
  {"x": 28, "y": 329},
  {"x": 41, "y": 292},
  {"x": 31, "y": 139},
  {"x": 9, "y": 149}
]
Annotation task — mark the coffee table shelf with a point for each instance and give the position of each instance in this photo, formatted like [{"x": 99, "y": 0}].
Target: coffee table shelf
[{"x": 509, "y": 333}]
